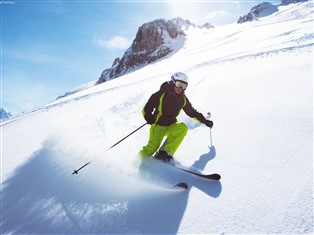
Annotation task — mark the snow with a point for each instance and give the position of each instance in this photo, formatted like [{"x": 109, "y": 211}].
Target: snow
[{"x": 256, "y": 79}]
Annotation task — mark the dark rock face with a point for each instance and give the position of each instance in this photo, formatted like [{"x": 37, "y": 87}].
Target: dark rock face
[
  {"x": 261, "y": 10},
  {"x": 153, "y": 41}
]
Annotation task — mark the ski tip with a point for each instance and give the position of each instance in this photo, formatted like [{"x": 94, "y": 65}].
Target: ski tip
[
  {"x": 216, "y": 177},
  {"x": 181, "y": 185}
]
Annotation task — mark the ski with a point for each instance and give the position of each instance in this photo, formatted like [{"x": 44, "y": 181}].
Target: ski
[
  {"x": 209, "y": 176},
  {"x": 178, "y": 165}
]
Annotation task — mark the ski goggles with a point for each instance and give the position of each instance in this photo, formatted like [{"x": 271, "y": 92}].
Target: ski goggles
[{"x": 181, "y": 84}]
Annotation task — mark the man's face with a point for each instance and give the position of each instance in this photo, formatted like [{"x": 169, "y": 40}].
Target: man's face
[
  {"x": 179, "y": 86},
  {"x": 178, "y": 90}
]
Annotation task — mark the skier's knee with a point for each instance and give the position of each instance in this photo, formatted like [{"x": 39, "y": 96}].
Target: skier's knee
[{"x": 183, "y": 127}]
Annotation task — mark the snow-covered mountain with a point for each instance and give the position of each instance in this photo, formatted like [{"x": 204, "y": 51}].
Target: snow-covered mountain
[
  {"x": 186, "y": 24},
  {"x": 4, "y": 114},
  {"x": 261, "y": 10},
  {"x": 265, "y": 9},
  {"x": 154, "y": 40},
  {"x": 257, "y": 81},
  {"x": 287, "y": 2}
]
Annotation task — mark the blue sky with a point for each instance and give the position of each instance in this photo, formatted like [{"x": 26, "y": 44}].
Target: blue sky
[{"x": 50, "y": 47}]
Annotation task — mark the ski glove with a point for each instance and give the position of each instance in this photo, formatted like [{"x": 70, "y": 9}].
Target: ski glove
[
  {"x": 209, "y": 123},
  {"x": 150, "y": 119}
]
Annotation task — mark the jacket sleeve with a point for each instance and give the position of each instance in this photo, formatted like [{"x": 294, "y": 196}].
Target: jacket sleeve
[
  {"x": 151, "y": 107},
  {"x": 193, "y": 113}
]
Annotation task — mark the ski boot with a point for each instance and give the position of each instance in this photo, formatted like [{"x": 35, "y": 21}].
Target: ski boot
[{"x": 163, "y": 156}]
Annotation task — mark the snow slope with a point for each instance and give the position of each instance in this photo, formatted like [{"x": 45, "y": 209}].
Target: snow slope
[{"x": 257, "y": 81}]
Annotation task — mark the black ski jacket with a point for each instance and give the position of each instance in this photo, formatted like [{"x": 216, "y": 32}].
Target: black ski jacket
[{"x": 166, "y": 105}]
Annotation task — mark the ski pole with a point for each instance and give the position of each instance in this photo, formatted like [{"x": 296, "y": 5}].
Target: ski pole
[
  {"x": 76, "y": 171},
  {"x": 210, "y": 130},
  {"x": 127, "y": 136}
]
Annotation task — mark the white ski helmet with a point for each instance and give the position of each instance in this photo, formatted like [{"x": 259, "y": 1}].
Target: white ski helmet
[{"x": 180, "y": 77}]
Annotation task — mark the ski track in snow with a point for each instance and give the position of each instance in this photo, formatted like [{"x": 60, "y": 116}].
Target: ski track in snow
[{"x": 261, "y": 100}]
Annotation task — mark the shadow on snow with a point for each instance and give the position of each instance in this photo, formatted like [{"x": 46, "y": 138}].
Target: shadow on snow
[{"x": 44, "y": 197}]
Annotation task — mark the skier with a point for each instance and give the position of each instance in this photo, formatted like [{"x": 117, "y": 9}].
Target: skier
[{"x": 161, "y": 111}]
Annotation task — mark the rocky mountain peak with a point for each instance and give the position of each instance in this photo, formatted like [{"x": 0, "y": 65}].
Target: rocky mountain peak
[
  {"x": 186, "y": 24},
  {"x": 4, "y": 114},
  {"x": 261, "y": 10},
  {"x": 265, "y": 9},
  {"x": 153, "y": 35},
  {"x": 154, "y": 40}
]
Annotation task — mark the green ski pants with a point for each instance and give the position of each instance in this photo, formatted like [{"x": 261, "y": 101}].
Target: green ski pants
[{"x": 175, "y": 133}]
